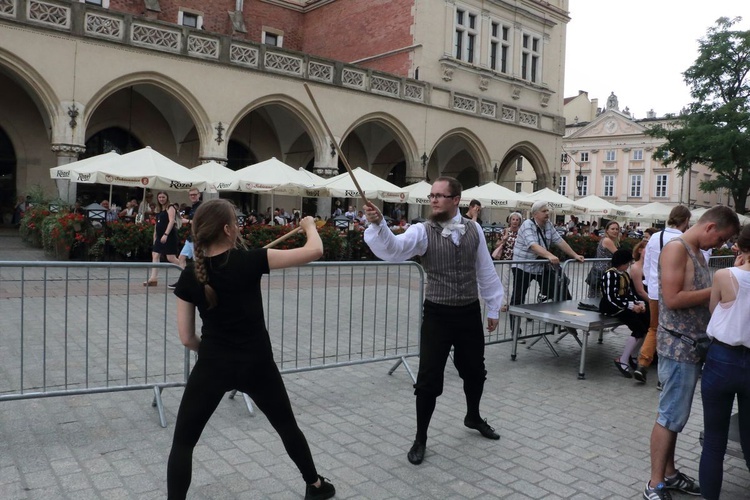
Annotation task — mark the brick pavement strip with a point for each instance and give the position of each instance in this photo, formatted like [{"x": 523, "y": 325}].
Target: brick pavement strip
[{"x": 561, "y": 438}]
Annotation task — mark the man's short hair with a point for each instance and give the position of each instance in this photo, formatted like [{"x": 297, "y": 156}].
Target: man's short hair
[
  {"x": 475, "y": 203},
  {"x": 453, "y": 184},
  {"x": 538, "y": 205},
  {"x": 723, "y": 217}
]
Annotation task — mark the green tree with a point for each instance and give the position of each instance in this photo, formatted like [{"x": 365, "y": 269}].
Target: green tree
[{"x": 715, "y": 129}]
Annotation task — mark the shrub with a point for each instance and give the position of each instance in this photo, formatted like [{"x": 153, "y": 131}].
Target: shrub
[
  {"x": 128, "y": 239},
  {"x": 31, "y": 225},
  {"x": 64, "y": 233}
]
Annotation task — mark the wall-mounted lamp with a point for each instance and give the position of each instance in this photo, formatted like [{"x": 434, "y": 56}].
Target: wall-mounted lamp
[
  {"x": 424, "y": 160},
  {"x": 496, "y": 170},
  {"x": 333, "y": 149}
]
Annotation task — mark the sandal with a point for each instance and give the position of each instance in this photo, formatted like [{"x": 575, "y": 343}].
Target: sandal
[
  {"x": 150, "y": 283},
  {"x": 624, "y": 368}
]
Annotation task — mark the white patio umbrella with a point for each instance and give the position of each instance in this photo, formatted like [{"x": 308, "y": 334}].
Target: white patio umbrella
[
  {"x": 602, "y": 208},
  {"x": 216, "y": 175},
  {"x": 653, "y": 211},
  {"x": 70, "y": 170},
  {"x": 342, "y": 186},
  {"x": 271, "y": 177},
  {"x": 696, "y": 213},
  {"x": 493, "y": 195},
  {"x": 143, "y": 168},
  {"x": 559, "y": 203},
  {"x": 418, "y": 193}
]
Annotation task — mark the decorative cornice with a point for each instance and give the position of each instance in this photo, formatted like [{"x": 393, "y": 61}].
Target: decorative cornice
[{"x": 60, "y": 148}]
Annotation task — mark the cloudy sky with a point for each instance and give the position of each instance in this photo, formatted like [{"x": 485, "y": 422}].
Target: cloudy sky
[{"x": 639, "y": 49}]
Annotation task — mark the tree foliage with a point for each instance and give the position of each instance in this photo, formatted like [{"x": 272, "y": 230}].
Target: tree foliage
[{"x": 715, "y": 129}]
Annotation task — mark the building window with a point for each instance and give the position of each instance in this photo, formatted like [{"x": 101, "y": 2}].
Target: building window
[
  {"x": 100, "y": 3},
  {"x": 661, "y": 186},
  {"x": 530, "y": 57},
  {"x": 609, "y": 185},
  {"x": 499, "y": 47},
  {"x": 610, "y": 155},
  {"x": 636, "y": 181},
  {"x": 519, "y": 164},
  {"x": 519, "y": 185},
  {"x": 563, "y": 187},
  {"x": 585, "y": 186},
  {"x": 637, "y": 154},
  {"x": 584, "y": 156},
  {"x": 190, "y": 19},
  {"x": 466, "y": 35},
  {"x": 275, "y": 39}
]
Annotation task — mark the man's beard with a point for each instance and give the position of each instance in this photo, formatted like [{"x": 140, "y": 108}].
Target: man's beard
[{"x": 440, "y": 217}]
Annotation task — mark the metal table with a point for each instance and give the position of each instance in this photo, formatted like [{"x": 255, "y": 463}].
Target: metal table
[{"x": 563, "y": 314}]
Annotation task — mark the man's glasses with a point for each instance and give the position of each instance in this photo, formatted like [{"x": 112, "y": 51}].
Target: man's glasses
[
  {"x": 195, "y": 194},
  {"x": 440, "y": 196}
]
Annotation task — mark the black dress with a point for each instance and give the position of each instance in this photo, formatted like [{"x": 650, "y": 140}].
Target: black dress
[{"x": 170, "y": 246}]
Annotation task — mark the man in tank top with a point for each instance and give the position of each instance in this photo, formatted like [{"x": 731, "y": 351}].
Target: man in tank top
[
  {"x": 459, "y": 268},
  {"x": 684, "y": 293}
]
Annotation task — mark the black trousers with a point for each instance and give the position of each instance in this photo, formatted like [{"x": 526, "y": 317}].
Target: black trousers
[
  {"x": 209, "y": 381},
  {"x": 444, "y": 327}
]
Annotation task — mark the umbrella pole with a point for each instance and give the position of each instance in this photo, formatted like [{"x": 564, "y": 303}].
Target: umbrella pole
[
  {"x": 110, "y": 196},
  {"x": 336, "y": 145}
]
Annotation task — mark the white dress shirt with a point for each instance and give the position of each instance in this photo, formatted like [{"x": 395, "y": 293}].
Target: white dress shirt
[
  {"x": 651, "y": 260},
  {"x": 413, "y": 241}
]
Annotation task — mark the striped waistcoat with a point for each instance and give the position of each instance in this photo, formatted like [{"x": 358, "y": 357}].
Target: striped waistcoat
[{"x": 451, "y": 269}]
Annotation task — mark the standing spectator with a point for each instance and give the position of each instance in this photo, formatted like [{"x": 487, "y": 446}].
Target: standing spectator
[
  {"x": 165, "y": 236},
  {"x": 636, "y": 272},
  {"x": 504, "y": 251},
  {"x": 685, "y": 290},
  {"x": 187, "y": 249},
  {"x": 20, "y": 210},
  {"x": 351, "y": 213},
  {"x": 726, "y": 373},
  {"x": 455, "y": 257},
  {"x": 130, "y": 210},
  {"x": 146, "y": 208},
  {"x": 235, "y": 349},
  {"x": 474, "y": 211},
  {"x": 620, "y": 300},
  {"x": 535, "y": 239},
  {"x": 678, "y": 222},
  {"x": 606, "y": 248}
]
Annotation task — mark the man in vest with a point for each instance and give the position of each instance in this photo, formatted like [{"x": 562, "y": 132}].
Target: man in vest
[{"x": 459, "y": 268}]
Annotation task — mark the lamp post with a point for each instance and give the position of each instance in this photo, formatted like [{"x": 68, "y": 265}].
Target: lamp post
[{"x": 579, "y": 181}]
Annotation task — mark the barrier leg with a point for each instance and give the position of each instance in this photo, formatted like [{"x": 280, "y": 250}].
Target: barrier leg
[
  {"x": 403, "y": 361},
  {"x": 582, "y": 367},
  {"x": 248, "y": 401},
  {"x": 160, "y": 406},
  {"x": 601, "y": 336}
]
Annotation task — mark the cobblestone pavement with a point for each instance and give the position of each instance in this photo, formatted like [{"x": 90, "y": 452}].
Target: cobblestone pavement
[{"x": 562, "y": 438}]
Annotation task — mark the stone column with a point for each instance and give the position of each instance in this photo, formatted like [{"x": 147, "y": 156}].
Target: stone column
[{"x": 67, "y": 153}]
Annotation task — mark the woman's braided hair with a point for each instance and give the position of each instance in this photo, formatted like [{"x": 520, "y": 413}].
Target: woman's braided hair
[{"x": 208, "y": 225}]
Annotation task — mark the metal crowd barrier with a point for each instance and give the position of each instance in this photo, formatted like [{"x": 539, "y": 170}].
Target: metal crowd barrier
[{"x": 80, "y": 328}]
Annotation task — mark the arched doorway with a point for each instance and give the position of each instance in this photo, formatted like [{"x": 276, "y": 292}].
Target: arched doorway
[{"x": 7, "y": 178}]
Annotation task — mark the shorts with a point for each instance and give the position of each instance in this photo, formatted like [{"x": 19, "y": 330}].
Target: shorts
[
  {"x": 187, "y": 249},
  {"x": 678, "y": 387}
]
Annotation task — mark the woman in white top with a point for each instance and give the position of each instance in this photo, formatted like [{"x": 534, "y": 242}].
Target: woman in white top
[{"x": 727, "y": 369}]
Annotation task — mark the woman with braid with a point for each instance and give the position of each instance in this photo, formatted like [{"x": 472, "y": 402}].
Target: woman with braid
[{"x": 234, "y": 348}]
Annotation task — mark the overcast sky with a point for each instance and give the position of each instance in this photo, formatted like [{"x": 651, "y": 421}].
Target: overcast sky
[{"x": 639, "y": 49}]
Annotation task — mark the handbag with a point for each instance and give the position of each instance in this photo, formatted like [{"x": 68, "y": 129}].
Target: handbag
[{"x": 553, "y": 278}]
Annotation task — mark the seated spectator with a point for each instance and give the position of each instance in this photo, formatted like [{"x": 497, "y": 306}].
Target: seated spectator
[
  {"x": 619, "y": 300},
  {"x": 130, "y": 210}
]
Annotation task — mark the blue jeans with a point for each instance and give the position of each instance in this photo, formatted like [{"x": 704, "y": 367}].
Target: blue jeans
[
  {"x": 678, "y": 387},
  {"x": 725, "y": 374}
]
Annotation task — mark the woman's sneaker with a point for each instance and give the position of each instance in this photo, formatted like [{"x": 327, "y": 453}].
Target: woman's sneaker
[
  {"x": 684, "y": 483},
  {"x": 657, "y": 493},
  {"x": 325, "y": 490}
]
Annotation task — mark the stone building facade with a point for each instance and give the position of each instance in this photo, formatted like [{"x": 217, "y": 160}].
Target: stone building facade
[
  {"x": 410, "y": 88},
  {"x": 612, "y": 152}
]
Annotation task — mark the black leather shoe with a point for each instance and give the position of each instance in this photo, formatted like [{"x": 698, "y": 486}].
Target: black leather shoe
[
  {"x": 416, "y": 453},
  {"x": 483, "y": 427}
]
